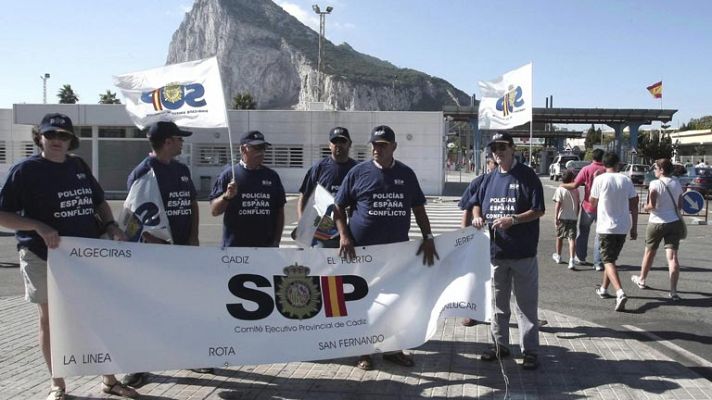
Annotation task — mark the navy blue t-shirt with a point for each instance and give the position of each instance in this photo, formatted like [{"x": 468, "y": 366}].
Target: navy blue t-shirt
[
  {"x": 381, "y": 201},
  {"x": 251, "y": 216},
  {"x": 503, "y": 194},
  {"x": 177, "y": 193},
  {"x": 470, "y": 191},
  {"x": 62, "y": 195},
  {"x": 328, "y": 173}
]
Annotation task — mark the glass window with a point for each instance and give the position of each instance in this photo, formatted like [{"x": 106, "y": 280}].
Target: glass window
[{"x": 112, "y": 132}]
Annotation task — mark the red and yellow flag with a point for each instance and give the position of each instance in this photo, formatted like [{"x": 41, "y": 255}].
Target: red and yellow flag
[{"x": 656, "y": 89}]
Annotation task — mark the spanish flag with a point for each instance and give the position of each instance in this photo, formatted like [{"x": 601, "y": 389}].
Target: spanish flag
[{"x": 656, "y": 89}]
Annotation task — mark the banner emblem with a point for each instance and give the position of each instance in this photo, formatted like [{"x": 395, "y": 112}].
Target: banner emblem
[{"x": 298, "y": 295}]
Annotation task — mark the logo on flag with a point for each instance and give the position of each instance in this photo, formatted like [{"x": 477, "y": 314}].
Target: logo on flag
[
  {"x": 656, "y": 90},
  {"x": 189, "y": 94},
  {"x": 506, "y": 101},
  {"x": 143, "y": 211}
]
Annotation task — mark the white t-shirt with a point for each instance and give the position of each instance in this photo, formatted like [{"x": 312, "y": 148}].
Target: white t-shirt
[
  {"x": 569, "y": 200},
  {"x": 613, "y": 190},
  {"x": 664, "y": 207}
]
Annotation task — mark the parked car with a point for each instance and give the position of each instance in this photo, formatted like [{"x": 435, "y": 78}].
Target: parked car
[
  {"x": 576, "y": 166},
  {"x": 636, "y": 172},
  {"x": 701, "y": 180},
  {"x": 559, "y": 165}
]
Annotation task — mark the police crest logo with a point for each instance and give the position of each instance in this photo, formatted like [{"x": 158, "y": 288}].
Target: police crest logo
[
  {"x": 298, "y": 295},
  {"x": 173, "y": 93}
]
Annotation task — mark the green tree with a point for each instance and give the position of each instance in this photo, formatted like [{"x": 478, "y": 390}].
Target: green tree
[
  {"x": 243, "y": 101},
  {"x": 654, "y": 145},
  {"x": 67, "y": 96},
  {"x": 108, "y": 98},
  {"x": 698, "y": 123},
  {"x": 593, "y": 137}
]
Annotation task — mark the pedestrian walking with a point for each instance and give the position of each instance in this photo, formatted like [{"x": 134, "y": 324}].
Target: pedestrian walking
[
  {"x": 45, "y": 196},
  {"x": 252, "y": 202},
  {"x": 616, "y": 201},
  {"x": 665, "y": 223},
  {"x": 566, "y": 213},
  {"x": 510, "y": 202},
  {"x": 381, "y": 193},
  {"x": 587, "y": 215}
]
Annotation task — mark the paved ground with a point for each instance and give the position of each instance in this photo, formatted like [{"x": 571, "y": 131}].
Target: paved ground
[{"x": 580, "y": 360}]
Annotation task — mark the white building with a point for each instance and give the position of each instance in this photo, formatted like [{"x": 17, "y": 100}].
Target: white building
[{"x": 112, "y": 146}]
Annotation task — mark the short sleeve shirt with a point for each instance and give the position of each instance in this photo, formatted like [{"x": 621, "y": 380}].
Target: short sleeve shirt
[
  {"x": 470, "y": 191},
  {"x": 381, "y": 201},
  {"x": 664, "y": 211},
  {"x": 328, "y": 173},
  {"x": 585, "y": 177},
  {"x": 62, "y": 195},
  {"x": 514, "y": 192},
  {"x": 250, "y": 218},
  {"x": 569, "y": 203},
  {"x": 177, "y": 192},
  {"x": 613, "y": 191}
]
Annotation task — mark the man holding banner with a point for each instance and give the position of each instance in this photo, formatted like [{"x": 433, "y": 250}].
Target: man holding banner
[
  {"x": 178, "y": 196},
  {"x": 511, "y": 201},
  {"x": 328, "y": 172},
  {"x": 381, "y": 194},
  {"x": 253, "y": 201}
]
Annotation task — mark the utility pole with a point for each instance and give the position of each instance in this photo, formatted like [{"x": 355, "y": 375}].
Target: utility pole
[
  {"x": 322, "y": 32},
  {"x": 44, "y": 87}
]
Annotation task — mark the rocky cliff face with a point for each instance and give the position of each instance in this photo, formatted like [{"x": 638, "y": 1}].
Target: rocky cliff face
[{"x": 265, "y": 51}]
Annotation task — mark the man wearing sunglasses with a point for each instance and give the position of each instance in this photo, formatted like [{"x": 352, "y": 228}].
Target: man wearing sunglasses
[
  {"x": 510, "y": 202},
  {"x": 253, "y": 203},
  {"x": 328, "y": 172}
]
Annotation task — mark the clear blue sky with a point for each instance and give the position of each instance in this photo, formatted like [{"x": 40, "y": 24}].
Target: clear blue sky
[{"x": 586, "y": 53}]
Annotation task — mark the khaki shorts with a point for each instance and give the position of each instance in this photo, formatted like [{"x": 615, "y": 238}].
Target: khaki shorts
[
  {"x": 611, "y": 246},
  {"x": 669, "y": 231},
  {"x": 566, "y": 229},
  {"x": 34, "y": 273}
]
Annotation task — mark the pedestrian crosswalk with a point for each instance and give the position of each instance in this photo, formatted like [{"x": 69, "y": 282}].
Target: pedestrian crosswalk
[{"x": 443, "y": 213}]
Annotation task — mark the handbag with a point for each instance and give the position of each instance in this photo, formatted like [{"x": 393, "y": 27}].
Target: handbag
[{"x": 683, "y": 230}]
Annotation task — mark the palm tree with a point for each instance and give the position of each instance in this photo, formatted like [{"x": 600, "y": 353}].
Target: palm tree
[
  {"x": 243, "y": 101},
  {"x": 67, "y": 96},
  {"x": 108, "y": 98}
]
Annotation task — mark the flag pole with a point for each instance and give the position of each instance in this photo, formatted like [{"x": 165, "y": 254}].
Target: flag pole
[
  {"x": 229, "y": 132},
  {"x": 531, "y": 121}
]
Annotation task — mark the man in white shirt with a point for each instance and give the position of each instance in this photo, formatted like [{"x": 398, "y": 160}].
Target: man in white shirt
[{"x": 610, "y": 192}]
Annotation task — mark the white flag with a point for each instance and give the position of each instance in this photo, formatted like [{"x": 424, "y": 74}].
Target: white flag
[
  {"x": 189, "y": 94},
  {"x": 143, "y": 211},
  {"x": 317, "y": 219},
  {"x": 506, "y": 101}
]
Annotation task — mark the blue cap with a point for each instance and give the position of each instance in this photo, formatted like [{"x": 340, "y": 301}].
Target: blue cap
[
  {"x": 165, "y": 129},
  {"x": 382, "y": 134},
  {"x": 253, "y": 138},
  {"x": 56, "y": 122}
]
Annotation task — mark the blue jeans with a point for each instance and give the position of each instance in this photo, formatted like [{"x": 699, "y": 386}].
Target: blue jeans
[{"x": 587, "y": 219}]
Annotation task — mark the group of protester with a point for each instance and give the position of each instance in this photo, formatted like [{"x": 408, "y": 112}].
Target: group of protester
[
  {"x": 508, "y": 201},
  {"x": 54, "y": 194}
]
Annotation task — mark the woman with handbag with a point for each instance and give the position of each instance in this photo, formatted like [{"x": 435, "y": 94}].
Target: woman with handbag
[{"x": 665, "y": 223}]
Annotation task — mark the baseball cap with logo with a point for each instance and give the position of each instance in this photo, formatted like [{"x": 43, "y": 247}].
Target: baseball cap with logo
[
  {"x": 56, "y": 122},
  {"x": 339, "y": 132},
  {"x": 382, "y": 134},
  {"x": 501, "y": 137},
  {"x": 165, "y": 129},
  {"x": 253, "y": 138}
]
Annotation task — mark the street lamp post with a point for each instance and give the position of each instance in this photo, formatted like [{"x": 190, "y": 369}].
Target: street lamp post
[
  {"x": 322, "y": 23},
  {"x": 44, "y": 87}
]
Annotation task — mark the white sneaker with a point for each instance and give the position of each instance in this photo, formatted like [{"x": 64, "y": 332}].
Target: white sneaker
[
  {"x": 620, "y": 301},
  {"x": 557, "y": 258},
  {"x": 639, "y": 282},
  {"x": 571, "y": 265},
  {"x": 579, "y": 262},
  {"x": 598, "y": 267},
  {"x": 602, "y": 292}
]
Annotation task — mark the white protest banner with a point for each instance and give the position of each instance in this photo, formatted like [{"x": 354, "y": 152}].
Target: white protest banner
[
  {"x": 122, "y": 306},
  {"x": 143, "y": 210},
  {"x": 189, "y": 94},
  {"x": 317, "y": 219},
  {"x": 506, "y": 101}
]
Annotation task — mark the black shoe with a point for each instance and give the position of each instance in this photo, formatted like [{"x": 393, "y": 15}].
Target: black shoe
[
  {"x": 530, "y": 362},
  {"x": 134, "y": 379},
  {"x": 203, "y": 370}
]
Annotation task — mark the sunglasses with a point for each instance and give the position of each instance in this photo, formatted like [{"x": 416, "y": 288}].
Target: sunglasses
[
  {"x": 339, "y": 141},
  {"x": 257, "y": 147},
  {"x": 499, "y": 146},
  {"x": 64, "y": 136}
]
